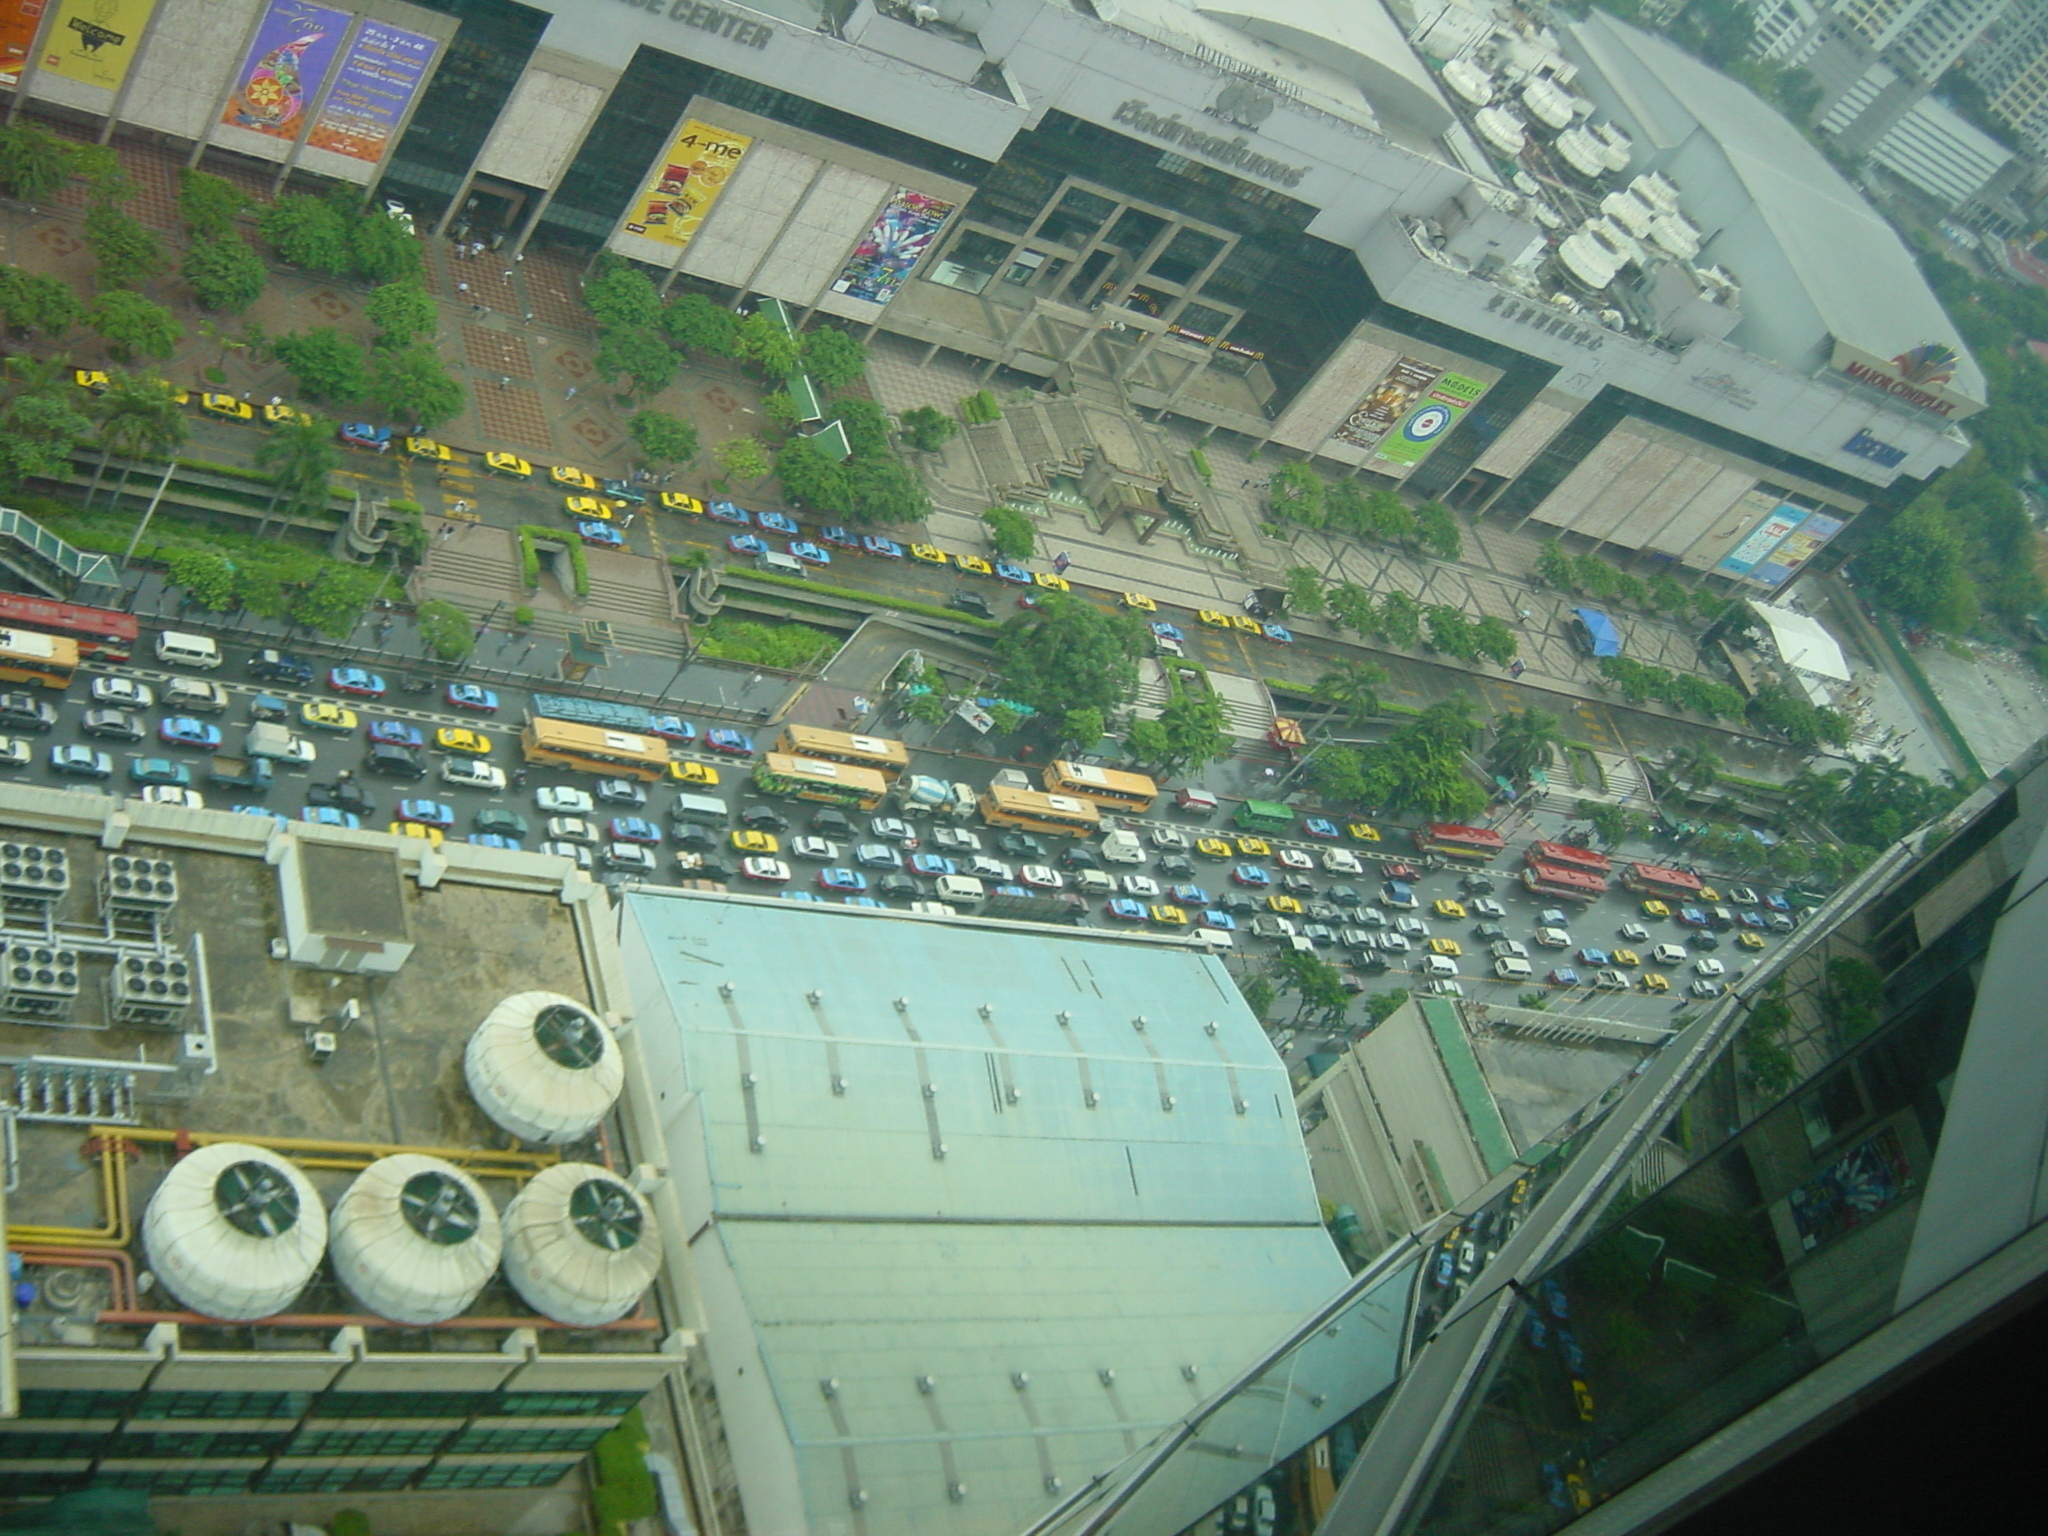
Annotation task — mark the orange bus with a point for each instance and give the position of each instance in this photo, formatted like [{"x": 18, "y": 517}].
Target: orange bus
[
  {"x": 27, "y": 656},
  {"x": 1054, "y": 815},
  {"x": 876, "y": 753},
  {"x": 1129, "y": 792},
  {"x": 594, "y": 749}
]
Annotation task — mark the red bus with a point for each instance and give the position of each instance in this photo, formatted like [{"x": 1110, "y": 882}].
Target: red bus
[
  {"x": 1664, "y": 884},
  {"x": 1456, "y": 842},
  {"x": 1559, "y": 880},
  {"x": 1571, "y": 856},
  {"x": 101, "y": 633}
]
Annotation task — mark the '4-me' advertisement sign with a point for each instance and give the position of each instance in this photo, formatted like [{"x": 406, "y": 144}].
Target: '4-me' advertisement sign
[{"x": 686, "y": 183}]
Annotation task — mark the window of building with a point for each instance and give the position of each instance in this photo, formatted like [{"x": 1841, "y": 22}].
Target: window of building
[
  {"x": 455, "y": 114},
  {"x": 50, "y": 1445},
  {"x": 173, "y": 1481},
  {"x": 400, "y": 1405},
  {"x": 972, "y": 262},
  {"x": 374, "y": 1442},
  {"x": 219, "y": 1405},
  {"x": 1077, "y": 217},
  {"x": 335, "y": 1479},
  {"x": 1134, "y": 231},
  {"x": 1186, "y": 255},
  {"x": 495, "y": 1475},
  {"x": 479, "y": 1439},
  {"x": 46, "y": 1403},
  {"x": 584, "y": 1404},
  {"x": 198, "y": 1443}
]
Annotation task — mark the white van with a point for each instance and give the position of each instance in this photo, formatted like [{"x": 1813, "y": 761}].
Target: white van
[
  {"x": 961, "y": 890},
  {"x": 1092, "y": 882},
  {"x": 1216, "y": 938},
  {"x": 780, "y": 564},
  {"x": 705, "y": 810},
  {"x": 1508, "y": 968},
  {"x": 1438, "y": 965},
  {"x": 933, "y": 909},
  {"x": 1122, "y": 848},
  {"x": 180, "y": 650},
  {"x": 192, "y": 695},
  {"x": 1196, "y": 802}
]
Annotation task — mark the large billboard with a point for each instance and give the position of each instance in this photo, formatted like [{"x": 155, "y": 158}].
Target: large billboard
[
  {"x": 1429, "y": 422},
  {"x": 1798, "y": 547},
  {"x": 94, "y": 41},
  {"x": 18, "y": 22},
  {"x": 1397, "y": 393},
  {"x": 686, "y": 183},
  {"x": 1761, "y": 540},
  {"x": 285, "y": 67},
  {"x": 375, "y": 86},
  {"x": 904, "y": 230}
]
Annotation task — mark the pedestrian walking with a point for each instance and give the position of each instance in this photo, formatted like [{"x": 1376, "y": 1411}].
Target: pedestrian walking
[
  {"x": 276, "y": 400},
  {"x": 462, "y": 287},
  {"x": 504, "y": 381},
  {"x": 571, "y": 395},
  {"x": 245, "y": 394}
]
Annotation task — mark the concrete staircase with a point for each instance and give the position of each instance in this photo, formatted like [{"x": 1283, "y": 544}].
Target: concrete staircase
[
  {"x": 1622, "y": 783},
  {"x": 478, "y": 571}
]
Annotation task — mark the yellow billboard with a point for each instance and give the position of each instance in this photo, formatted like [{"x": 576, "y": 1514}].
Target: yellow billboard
[
  {"x": 686, "y": 183},
  {"x": 94, "y": 41}
]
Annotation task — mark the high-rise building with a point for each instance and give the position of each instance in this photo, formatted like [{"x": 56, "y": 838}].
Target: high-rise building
[{"x": 2011, "y": 65}]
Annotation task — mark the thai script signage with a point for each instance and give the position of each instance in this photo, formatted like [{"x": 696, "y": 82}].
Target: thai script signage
[{"x": 1236, "y": 153}]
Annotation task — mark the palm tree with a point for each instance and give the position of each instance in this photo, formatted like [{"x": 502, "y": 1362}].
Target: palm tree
[
  {"x": 300, "y": 455},
  {"x": 1523, "y": 742},
  {"x": 1814, "y": 794},
  {"x": 1353, "y": 689},
  {"x": 139, "y": 418},
  {"x": 1697, "y": 767}
]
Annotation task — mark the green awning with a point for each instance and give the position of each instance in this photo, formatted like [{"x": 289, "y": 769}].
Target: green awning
[
  {"x": 803, "y": 394},
  {"x": 831, "y": 441}
]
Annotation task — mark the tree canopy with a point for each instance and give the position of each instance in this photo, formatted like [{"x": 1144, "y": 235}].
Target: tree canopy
[{"x": 1068, "y": 654}]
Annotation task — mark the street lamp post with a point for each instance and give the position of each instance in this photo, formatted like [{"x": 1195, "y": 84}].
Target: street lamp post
[{"x": 148, "y": 512}]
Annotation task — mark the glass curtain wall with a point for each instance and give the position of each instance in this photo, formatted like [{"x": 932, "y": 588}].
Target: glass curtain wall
[{"x": 470, "y": 88}]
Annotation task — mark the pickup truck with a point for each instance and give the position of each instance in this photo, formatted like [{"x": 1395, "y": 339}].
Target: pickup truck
[
  {"x": 251, "y": 773},
  {"x": 271, "y": 740}
]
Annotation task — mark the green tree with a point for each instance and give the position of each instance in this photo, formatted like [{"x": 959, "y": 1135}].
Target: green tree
[
  {"x": 29, "y": 301},
  {"x": 39, "y": 424},
  {"x": 380, "y": 251},
  {"x": 445, "y": 629},
  {"x": 662, "y": 438},
  {"x": 206, "y": 576},
  {"x": 1451, "y": 632},
  {"x": 1389, "y": 519},
  {"x": 1257, "y": 991},
  {"x": 1438, "y": 530},
  {"x": 326, "y": 364},
  {"x": 1400, "y": 619},
  {"x": 1774, "y": 707},
  {"x": 1523, "y": 742},
  {"x": 763, "y": 342},
  {"x": 138, "y": 419},
  {"x": 210, "y": 204},
  {"x": 106, "y": 179},
  {"x": 1917, "y": 567},
  {"x": 832, "y": 358},
  {"x": 741, "y": 457},
  {"x": 1007, "y": 717},
  {"x": 885, "y": 491},
  {"x": 1696, "y": 766},
  {"x": 1382, "y": 1006},
  {"x": 1351, "y": 606},
  {"x": 413, "y": 384},
  {"x": 1493, "y": 640},
  {"x": 1305, "y": 590},
  {"x": 1353, "y": 691},
  {"x": 1067, "y": 654},
  {"x": 620, "y": 296},
  {"x": 1081, "y": 727},
  {"x": 926, "y": 429},
  {"x": 334, "y": 601},
  {"x": 810, "y": 478},
  {"x": 696, "y": 324},
  {"x": 1011, "y": 533},
  {"x": 128, "y": 251},
  {"x": 307, "y": 232},
  {"x": 866, "y": 423},
  {"x": 641, "y": 355},
  {"x": 34, "y": 162},
  {"x": 1612, "y": 824},
  {"x": 928, "y": 708},
  {"x": 1320, "y": 1000},
  {"x": 1147, "y": 743},
  {"x": 1296, "y": 494},
  {"x": 401, "y": 312},
  {"x": 132, "y": 326},
  {"x": 300, "y": 456},
  {"x": 224, "y": 274},
  {"x": 1556, "y": 568},
  {"x": 1338, "y": 774},
  {"x": 1195, "y": 734},
  {"x": 1422, "y": 766}
]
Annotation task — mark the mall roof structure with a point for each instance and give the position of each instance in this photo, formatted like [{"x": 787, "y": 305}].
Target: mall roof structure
[
  {"x": 1803, "y": 644},
  {"x": 980, "y": 1207}
]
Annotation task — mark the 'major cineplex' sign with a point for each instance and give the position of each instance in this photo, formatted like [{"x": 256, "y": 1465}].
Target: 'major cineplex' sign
[{"x": 1920, "y": 378}]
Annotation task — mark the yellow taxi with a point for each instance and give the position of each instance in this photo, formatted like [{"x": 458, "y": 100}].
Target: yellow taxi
[
  {"x": 677, "y": 501},
  {"x": 755, "y": 842},
  {"x": 1708, "y": 893},
  {"x": 1445, "y": 947},
  {"x": 227, "y": 406},
  {"x": 94, "y": 379},
  {"x": 427, "y": 448},
  {"x": 1140, "y": 602},
  {"x": 1213, "y": 847},
  {"x": 930, "y": 554},
  {"x": 1052, "y": 583},
  {"x": 1627, "y": 959},
  {"x": 568, "y": 474},
  {"x": 432, "y": 835},
  {"x": 693, "y": 773},
  {"x": 278, "y": 415},
  {"x": 1284, "y": 904},
  {"x": 1652, "y": 982},
  {"x": 1655, "y": 909},
  {"x": 1213, "y": 619},
  {"x": 1750, "y": 940},
  {"x": 1255, "y": 847},
  {"x": 588, "y": 506},
  {"x": 325, "y": 715},
  {"x": 1169, "y": 916},
  {"x": 1247, "y": 623},
  {"x": 508, "y": 464},
  {"x": 1363, "y": 832},
  {"x": 974, "y": 565},
  {"x": 455, "y": 738},
  {"x": 1445, "y": 907}
]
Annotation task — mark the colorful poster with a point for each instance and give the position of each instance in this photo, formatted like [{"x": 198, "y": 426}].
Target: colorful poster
[
  {"x": 286, "y": 66},
  {"x": 1387, "y": 402},
  {"x": 1428, "y": 424},
  {"x": 1798, "y": 548},
  {"x": 1857, "y": 1187},
  {"x": 1765, "y": 537},
  {"x": 376, "y": 84},
  {"x": 18, "y": 22},
  {"x": 686, "y": 183},
  {"x": 905, "y": 229},
  {"x": 94, "y": 41}
]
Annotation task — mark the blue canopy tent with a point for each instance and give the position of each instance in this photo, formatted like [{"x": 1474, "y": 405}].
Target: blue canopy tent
[{"x": 1602, "y": 638}]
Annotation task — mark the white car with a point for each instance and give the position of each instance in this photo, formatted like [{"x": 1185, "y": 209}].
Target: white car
[
  {"x": 822, "y": 850},
  {"x": 571, "y": 829},
  {"x": 1553, "y": 938},
  {"x": 1635, "y": 933},
  {"x": 1413, "y": 927},
  {"x": 1144, "y": 887},
  {"x": 989, "y": 869},
  {"x": 1710, "y": 967},
  {"x": 955, "y": 840},
  {"x": 773, "y": 871},
  {"x": 1394, "y": 943},
  {"x": 1341, "y": 861},
  {"x": 124, "y": 691},
  {"x": 1169, "y": 839},
  {"x": 1508, "y": 949},
  {"x": 576, "y": 853},
  {"x": 1444, "y": 987},
  {"x": 1670, "y": 954},
  {"x": 1294, "y": 858},
  {"x": 15, "y": 753},
  {"x": 172, "y": 794},
  {"x": 1041, "y": 877},
  {"x": 299, "y": 753},
  {"x": 560, "y": 800},
  {"x": 629, "y": 858},
  {"x": 468, "y": 773},
  {"x": 933, "y": 909},
  {"x": 893, "y": 829},
  {"x": 1486, "y": 906},
  {"x": 1609, "y": 981}
]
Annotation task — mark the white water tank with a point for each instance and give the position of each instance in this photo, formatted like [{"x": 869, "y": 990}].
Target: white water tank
[
  {"x": 544, "y": 1067},
  {"x": 234, "y": 1232},
  {"x": 414, "y": 1239},
  {"x": 580, "y": 1245}
]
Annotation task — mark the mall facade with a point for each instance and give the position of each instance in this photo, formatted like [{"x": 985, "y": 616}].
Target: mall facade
[{"x": 1267, "y": 216}]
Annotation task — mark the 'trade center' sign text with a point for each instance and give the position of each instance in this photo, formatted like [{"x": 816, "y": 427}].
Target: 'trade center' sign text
[{"x": 709, "y": 18}]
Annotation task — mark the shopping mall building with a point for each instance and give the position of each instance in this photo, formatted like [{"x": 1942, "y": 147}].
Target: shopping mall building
[{"x": 1574, "y": 277}]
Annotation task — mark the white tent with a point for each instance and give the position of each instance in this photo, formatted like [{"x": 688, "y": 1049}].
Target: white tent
[{"x": 1803, "y": 645}]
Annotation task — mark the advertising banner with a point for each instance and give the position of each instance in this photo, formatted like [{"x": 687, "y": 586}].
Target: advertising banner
[
  {"x": 1799, "y": 547},
  {"x": 1397, "y": 392},
  {"x": 18, "y": 22},
  {"x": 94, "y": 41},
  {"x": 686, "y": 183},
  {"x": 285, "y": 68},
  {"x": 1428, "y": 423},
  {"x": 1762, "y": 539},
  {"x": 904, "y": 230},
  {"x": 377, "y": 82}
]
